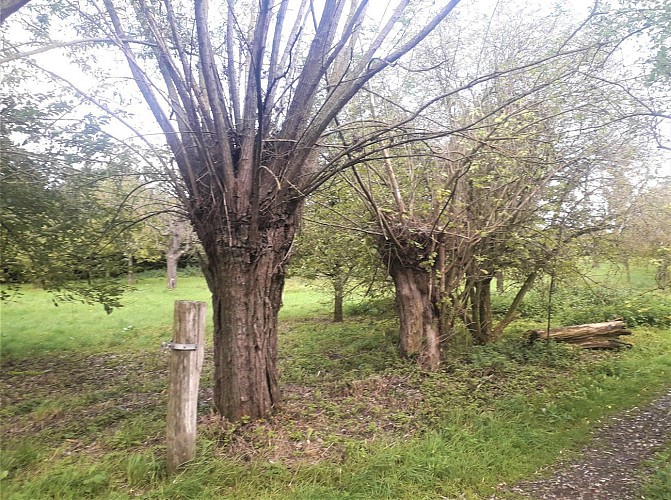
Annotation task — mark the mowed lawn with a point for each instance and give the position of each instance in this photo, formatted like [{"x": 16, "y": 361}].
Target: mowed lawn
[
  {"x": 84, "y": 402},
  {"x": 34, "y": 323}
]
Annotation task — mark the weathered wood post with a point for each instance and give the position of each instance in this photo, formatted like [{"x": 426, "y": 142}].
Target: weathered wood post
[{"x": 186, "y": 363}]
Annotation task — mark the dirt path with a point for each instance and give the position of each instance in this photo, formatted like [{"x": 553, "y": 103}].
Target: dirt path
[{"x": 610, "y": 467}]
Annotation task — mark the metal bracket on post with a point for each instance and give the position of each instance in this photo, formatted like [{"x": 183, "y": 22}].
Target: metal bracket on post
[
  {"x": 183, "y": 347},
  {"x": 179, "y": 347}
]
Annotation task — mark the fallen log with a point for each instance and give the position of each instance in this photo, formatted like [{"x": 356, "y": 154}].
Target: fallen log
[{"x": 590, "y": 336}]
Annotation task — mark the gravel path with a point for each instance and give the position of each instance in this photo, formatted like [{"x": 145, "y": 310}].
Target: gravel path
[{"x": 610, "y": 468}]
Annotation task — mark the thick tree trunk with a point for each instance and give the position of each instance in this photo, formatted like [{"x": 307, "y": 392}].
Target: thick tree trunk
[
  {"x": 246, "y": 284},
  {"x": 246, "y": 297},
  {"x": 418, "y": 317}
]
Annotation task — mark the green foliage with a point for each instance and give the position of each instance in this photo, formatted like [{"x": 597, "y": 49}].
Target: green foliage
[
  {"x": 534, "y": 306},
  {"x": 71, "y": 200},
  {"x": 573, "y": 304},
  {"x": 516, "y": 351},
  {"x": 378, "y": 307},
  {"x": 67, "y": 481},
  {"x": 655, "y": 16},
  {"x": 339, "y": 260},
  {"x": 24, "y": 455},
  {"x": 657, "y": 485},
  {"x": 143, "y": 469},
  {"x": 190, "y": 270},
  {"x": 326, "y": 352},
  {"x": 636, "y": 309}
]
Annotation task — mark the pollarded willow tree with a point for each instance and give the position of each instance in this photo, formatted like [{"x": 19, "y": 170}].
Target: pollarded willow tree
[
  {"x": 528, "y": 151},
  {"x": 244, "y": 93}
]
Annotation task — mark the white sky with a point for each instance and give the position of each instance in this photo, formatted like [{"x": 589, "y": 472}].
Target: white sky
[{"x": 142, "y": 120}]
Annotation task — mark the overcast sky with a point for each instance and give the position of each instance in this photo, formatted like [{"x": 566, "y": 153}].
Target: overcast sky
[{"x": 118, "y": 78}]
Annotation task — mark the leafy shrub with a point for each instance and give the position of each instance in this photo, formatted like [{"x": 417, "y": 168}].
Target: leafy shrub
[
  {"x": 191, "y": 271},
  {"x": 381, "y": 307},
  {"x": 573, "y": 305},
  {"x": 534, "y": 306},
  {"x": 518, "y": 351},
  {"x": 584, "y": 305},
  {"x": 183, "y": 272}
]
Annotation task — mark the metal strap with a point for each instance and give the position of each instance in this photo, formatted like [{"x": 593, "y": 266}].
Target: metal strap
[{"x": 182, "y": 347}]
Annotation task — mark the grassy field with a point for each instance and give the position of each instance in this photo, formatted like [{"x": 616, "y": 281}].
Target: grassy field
[{"x": 84, "y": 402}]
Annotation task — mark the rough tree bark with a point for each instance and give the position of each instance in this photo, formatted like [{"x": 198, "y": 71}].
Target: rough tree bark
[
  {"x": 246, "y": 285},
  {"x": 419, "y": 321}
]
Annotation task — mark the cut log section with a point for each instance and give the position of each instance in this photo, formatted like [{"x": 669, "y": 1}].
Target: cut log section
[{"x": 590, "y": 336}]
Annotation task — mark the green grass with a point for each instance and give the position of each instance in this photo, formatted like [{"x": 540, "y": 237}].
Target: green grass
[
  {"x": 641, "y": 275},
  {"x": 595, "y": 295},
  {"x": 303, "y": 301},
  {"x": 33, "y": 324},
  {"x": 658, "y": 476},
  {"x": 84, "y": 417}
]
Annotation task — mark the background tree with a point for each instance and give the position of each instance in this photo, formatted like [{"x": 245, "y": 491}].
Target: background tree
[
  {"x": 179, "y": 242},
  {"x": 49, "y": 177},
  {"x": 246, "y": 98},
  {"x": 74, "y": 204},
  {"x": 331, "y": 249},
  {"x": 528, "y": 154},
  {"x": 656, "y": 16},
  {"x": 644, "y": 234}
]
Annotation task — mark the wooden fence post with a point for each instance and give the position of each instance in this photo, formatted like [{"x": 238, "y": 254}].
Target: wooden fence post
[{"x": 186, "y": 363}]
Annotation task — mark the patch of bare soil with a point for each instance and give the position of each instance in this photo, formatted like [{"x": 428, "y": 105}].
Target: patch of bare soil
[{"x": 611, "y": 466}]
